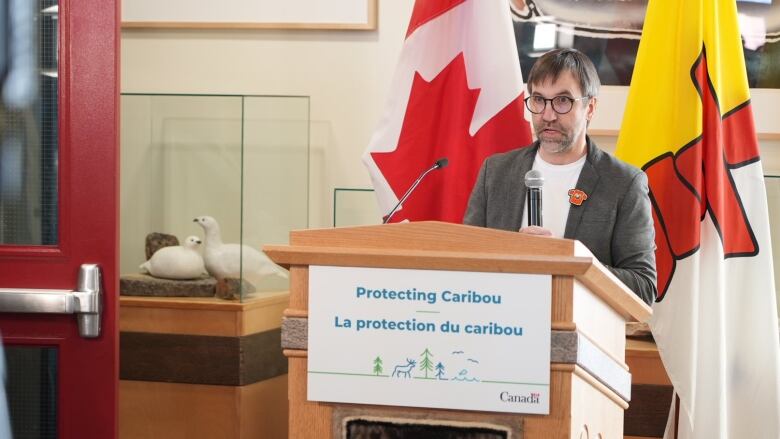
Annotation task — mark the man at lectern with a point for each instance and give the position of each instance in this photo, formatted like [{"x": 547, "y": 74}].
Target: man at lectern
[{"x": 589, "y": 195}]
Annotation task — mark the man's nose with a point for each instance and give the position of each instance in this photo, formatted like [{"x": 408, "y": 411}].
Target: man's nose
[{"x": 549, "y": 114}]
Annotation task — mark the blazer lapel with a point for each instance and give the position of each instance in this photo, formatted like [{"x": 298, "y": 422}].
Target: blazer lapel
[{"x": 587, "y": 182}]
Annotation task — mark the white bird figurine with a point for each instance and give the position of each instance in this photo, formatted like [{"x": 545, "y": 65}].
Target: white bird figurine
[
  {"x": 176, "y": 262},
  {"x": 226, "y": 260}
]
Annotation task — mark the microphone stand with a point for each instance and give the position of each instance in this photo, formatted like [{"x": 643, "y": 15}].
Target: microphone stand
[{"x": 439, "y": 164}]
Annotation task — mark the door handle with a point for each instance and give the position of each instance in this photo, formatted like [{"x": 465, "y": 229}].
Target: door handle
[{"x": 86, "y": 301}]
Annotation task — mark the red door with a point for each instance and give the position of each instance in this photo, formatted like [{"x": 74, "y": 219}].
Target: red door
[{"x": 59, "y": 181}]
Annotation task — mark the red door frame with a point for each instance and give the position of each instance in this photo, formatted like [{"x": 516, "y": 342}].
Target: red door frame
[{"x": 88, "y": 73}]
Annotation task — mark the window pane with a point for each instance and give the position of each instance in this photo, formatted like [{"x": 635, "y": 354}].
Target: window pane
[
  {"x": 32, "y": 391},
  {"x": 28, "y": 122}
]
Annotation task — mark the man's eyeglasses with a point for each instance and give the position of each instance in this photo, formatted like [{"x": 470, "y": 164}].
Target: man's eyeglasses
[{"x": 560, "y": 104}]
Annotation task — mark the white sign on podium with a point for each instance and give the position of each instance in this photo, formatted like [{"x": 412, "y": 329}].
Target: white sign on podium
[{"x": 430, "y": 338}]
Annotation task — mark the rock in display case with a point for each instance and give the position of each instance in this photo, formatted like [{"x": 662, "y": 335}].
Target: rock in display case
[{"x": 213, "y": 177}]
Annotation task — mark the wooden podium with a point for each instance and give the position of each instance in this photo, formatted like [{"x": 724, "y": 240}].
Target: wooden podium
[{"x": 590, "y": 384}]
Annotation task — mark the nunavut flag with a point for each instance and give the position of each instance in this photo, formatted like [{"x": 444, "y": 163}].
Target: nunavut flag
[
  {"x": 457, "y": 93},
  {"x": 688, "y": 123}
]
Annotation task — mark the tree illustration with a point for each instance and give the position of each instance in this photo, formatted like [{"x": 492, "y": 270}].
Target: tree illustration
[
  {"x": 426, "y": 365},
  {"x": 377, "y": 365},
  {"x": 440, "y": 371}
]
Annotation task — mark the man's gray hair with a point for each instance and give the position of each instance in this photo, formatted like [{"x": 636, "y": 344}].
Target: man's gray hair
[{"x": 553, "y": 63}]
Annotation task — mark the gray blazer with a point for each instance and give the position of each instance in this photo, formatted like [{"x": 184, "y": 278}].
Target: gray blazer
[{"x": 614, "y": 223}]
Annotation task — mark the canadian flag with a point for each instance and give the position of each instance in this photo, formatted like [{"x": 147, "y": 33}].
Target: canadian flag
[
  {"x": 689, "y": 124},
  {"x": 457, "y": 93}
]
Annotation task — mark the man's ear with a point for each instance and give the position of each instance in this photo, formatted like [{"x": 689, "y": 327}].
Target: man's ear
[{"x": 591, "y": 110}]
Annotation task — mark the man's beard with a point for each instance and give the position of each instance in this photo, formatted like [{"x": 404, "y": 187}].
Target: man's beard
[{"x": 562, "y": 145}]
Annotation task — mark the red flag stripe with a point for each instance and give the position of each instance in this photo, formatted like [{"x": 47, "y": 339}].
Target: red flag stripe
[
  {"x": 741, "y": 145},
  {"x": 426, "y": 10}
]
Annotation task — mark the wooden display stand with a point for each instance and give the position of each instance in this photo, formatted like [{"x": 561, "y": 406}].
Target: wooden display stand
[
  {"x": 651, "y": 391},
  {"x": 589, "y": 381},
  {"x": 202, "y": 368}
]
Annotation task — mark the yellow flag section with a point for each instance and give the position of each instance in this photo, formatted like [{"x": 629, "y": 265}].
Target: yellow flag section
[{"x": 664, "y": 111}]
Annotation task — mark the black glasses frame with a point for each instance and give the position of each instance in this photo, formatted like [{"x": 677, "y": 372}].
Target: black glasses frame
[{"x": 552, "y": 105}]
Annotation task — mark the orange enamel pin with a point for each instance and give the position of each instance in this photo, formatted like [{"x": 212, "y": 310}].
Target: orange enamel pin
[{"x": 576, "y": 197}]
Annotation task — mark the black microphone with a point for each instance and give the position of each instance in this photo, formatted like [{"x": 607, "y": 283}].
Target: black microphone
[
  {"x": 533, "y": 193},
  {"x": 442, "y": 162}
]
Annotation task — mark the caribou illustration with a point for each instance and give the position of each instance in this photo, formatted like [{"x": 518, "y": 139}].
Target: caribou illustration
[{"x": 404, "y": 370}]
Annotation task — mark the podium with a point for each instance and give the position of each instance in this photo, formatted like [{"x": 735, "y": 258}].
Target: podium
[{"x": 590, "y": 384}]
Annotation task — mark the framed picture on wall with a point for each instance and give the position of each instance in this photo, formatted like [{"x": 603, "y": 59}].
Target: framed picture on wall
[{"x": 250, "y": 14}]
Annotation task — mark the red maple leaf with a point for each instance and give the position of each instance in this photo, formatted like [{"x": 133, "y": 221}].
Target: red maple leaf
[
  {"x": 697, "y": 180},
  {"x": 436, "y": 125}
]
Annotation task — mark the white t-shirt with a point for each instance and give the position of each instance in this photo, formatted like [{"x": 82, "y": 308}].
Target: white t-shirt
[{"x": 558, "y": 180}]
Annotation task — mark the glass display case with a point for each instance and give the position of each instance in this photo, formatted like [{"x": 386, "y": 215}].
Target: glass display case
[
  {"x": 355, "y": 207},
  {"x": 242, "y": 160}
]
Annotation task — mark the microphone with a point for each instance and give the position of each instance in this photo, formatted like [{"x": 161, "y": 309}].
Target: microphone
[
  {"x": 442, "y": 162},
  {"x": 533, "y": 193}
]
